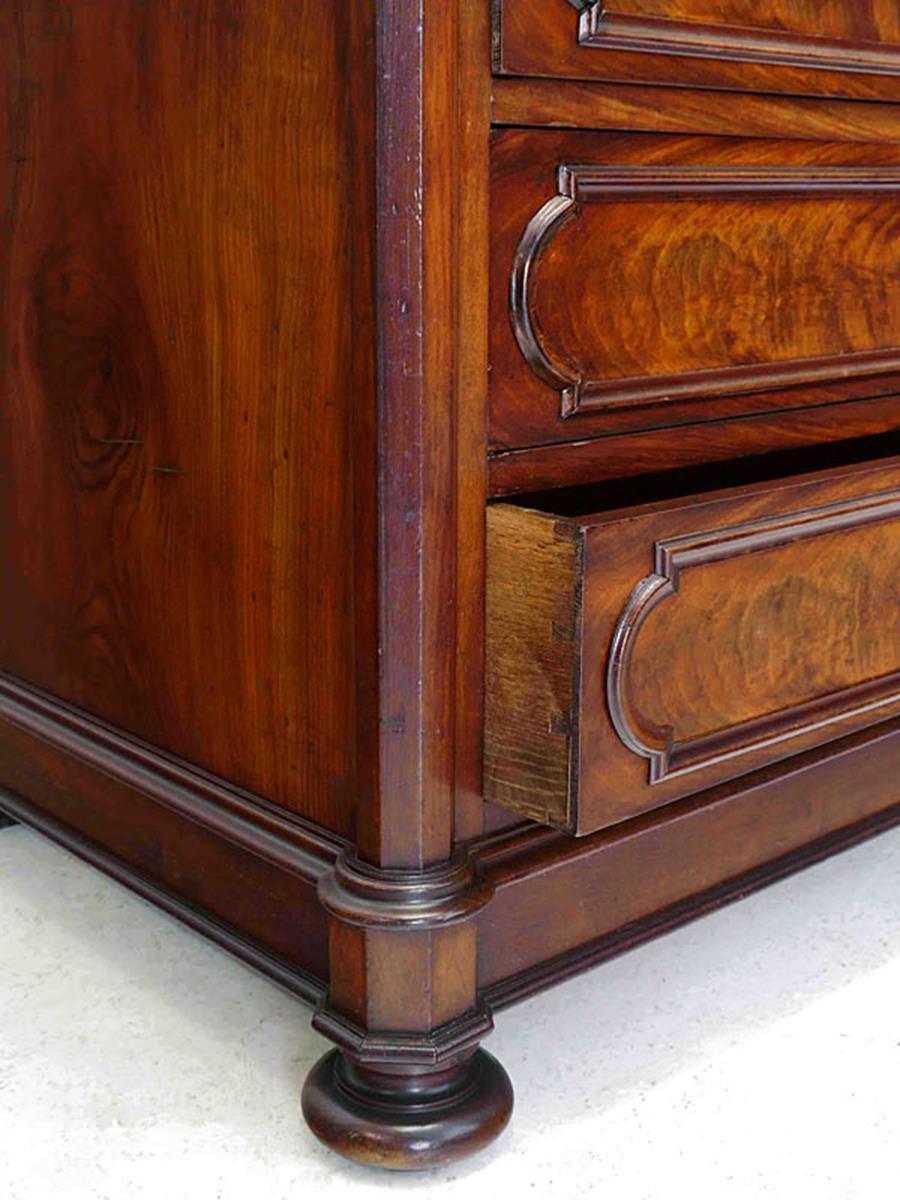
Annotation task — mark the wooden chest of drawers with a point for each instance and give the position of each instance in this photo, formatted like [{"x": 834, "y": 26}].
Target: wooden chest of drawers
[{"x": 449, "y": 487}]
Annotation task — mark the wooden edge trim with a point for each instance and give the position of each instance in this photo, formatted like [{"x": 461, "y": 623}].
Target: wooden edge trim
[
  {"x": 303, "y": 984},
  {"x": 247, "y": 821},
  {"x": 667, "y": 756},
  {"x": 447, "y": 1042},
  {"x": 518, "y": 469},
  {"x": 661, "y": 108},
  {"x": 357, "y": 893},
  {"x": 564, "y": 966},
  {"x": 601, "y": 28}
]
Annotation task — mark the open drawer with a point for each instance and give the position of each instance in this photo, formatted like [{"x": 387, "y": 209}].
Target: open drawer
[{"x": 641, "y": 654}]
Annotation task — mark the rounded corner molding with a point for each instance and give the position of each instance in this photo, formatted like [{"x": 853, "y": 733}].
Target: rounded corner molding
[
  {"x": 669, "y": 756},
  {"x": 430, "y": 897},
  {"x": 646, "y": 596},
  {"x": 581, "y": 185},
  {"x": 542, "y": 227}
]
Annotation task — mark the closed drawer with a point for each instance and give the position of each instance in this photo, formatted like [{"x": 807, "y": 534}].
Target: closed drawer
[
  {"x": 642, "y": 282},
  {"x": 805, "y": 47},
  {"x": 640, "y": 655}
]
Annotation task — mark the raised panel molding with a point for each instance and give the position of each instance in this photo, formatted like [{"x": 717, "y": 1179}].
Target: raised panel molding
[
  {"x": 581, "y": 185},
  {"x": 604, "y": 28},
  {"x": 670, "y": 756}
]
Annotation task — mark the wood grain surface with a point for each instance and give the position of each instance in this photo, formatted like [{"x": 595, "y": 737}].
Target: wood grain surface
[
  {"x": 702, "y": 638},
  {"x": 589, "y": 104},
  {"x": 843, "y": 48},
  {"x": 182, "y": 259},
  {"x": 646, "y": 281},
  {"x": 858, "y": 21}
]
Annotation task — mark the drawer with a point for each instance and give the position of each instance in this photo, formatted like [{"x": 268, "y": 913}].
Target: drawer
[
  {"x": 650, "y": 281},
  {"x": 803, "y": 47},
  {"x": 642, "y": 654}
]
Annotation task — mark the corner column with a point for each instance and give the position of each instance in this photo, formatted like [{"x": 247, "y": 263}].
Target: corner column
[{"x": 408, "y": 1086}]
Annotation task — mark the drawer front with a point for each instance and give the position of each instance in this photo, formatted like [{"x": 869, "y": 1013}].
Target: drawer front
[
  {"x": 644, "y": 281},
  {"x": 805, "y": 47},
  {"x": 641, "y": 656}
]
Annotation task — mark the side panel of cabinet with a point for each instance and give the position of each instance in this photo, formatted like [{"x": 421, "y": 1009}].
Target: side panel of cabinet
[{"x": 184, "y": 234}]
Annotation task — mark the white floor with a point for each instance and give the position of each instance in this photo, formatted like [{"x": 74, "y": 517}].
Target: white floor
[{"x": 754, "y": 1054}]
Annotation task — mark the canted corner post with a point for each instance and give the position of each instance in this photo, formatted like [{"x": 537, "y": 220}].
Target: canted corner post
[{"x": 408, "y": 1086}]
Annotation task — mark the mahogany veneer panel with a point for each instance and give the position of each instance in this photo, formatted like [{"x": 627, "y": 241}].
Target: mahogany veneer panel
[
  {"x": 842, "y": 48},
  {"x": 640, "y": 282},
  {"x": 638, "y": 656},
  {"x": 178, "y": 264}
]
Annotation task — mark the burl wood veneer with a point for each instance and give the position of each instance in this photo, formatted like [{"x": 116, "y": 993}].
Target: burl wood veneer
[{"x": 449, "y": 493}]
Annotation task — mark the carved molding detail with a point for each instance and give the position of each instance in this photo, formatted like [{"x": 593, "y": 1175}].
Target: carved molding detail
[
  {"x": 579, "y": 185},
  {"x": 448, "y": 1042},
  {"x": 428, "y": 898},
  {"x": 250, "y": 822},
  {"x": 605, "y": 29},
  {"x": 669, "y": 757}
]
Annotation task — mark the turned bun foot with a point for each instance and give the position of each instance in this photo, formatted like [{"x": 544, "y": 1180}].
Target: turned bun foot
[{"x": 407, "y": 1119}]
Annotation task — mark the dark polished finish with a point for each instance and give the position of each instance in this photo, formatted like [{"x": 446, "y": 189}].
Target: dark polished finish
[
  {"x": 557, "y": 898},
  {"x": 175, "y": 506},
  {"x": 411, "y": 441},
  {"x": 840, "y": 426},
  {"x": 201, "y": 916},
  {"x": 548, "y": 971},
  {"x": 435, "y": 896},
  {"x": 407, "y": 1120}
]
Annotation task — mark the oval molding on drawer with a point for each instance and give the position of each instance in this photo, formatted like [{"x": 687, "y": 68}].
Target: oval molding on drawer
[
  {"x": 663, "y": 301},
  {"x": 855, "y": 599}
]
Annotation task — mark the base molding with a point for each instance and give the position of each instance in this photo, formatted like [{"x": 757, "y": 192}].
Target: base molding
[
  {"x": 233, "y": 815},
  {"x": 382, "y": 1048},
  {"x": 562, "y": 904},
  {"x": 404, "y": 968},
  {"x": 772, "y": 823},
  {"x": 533, "y": 980},
  {"x": 306, "y": 986}
]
